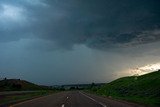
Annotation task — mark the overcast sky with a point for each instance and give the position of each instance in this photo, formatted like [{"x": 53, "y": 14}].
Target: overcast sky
[{"x": 77, "y": 41}]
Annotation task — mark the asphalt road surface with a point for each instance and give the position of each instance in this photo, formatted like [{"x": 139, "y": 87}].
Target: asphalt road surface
[{"x": 74, "y": 99}]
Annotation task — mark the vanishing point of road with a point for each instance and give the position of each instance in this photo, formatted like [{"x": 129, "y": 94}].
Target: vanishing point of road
[{"x": 74, "y": 99}]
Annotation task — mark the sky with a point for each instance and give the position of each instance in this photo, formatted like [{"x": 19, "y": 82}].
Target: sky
[{"x": 54, "y": 42}]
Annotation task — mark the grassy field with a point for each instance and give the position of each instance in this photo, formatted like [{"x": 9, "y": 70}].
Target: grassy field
[
  {"x": 31, "y": 90},
  {"x": 143, "y": 89},
  {"x": 19, "y": 85},
  {"x": 10, "y": 99}
]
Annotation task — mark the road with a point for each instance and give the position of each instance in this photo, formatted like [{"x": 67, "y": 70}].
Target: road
[{"x": 73, "y": 99}]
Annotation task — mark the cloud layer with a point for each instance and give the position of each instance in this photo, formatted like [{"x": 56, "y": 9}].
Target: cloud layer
[
  {"x": 97, "y": 24},
  {"x": 77, "y": 41}
]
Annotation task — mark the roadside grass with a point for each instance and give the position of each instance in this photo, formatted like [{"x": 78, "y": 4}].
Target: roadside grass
[
  {"x": 143, "y": 89},
  {"x": 11, "y": 99},
  {"x": 152, "y": 102},
  {"x": 147, "y": 101}
]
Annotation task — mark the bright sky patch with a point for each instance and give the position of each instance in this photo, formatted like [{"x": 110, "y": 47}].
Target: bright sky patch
[{"x": 11, "y": 13}]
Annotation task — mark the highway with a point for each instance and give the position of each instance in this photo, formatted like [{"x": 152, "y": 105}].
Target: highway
[{"x": 74, "y": 99}]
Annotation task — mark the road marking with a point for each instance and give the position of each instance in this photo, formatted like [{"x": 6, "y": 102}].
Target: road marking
[
  {"x": 103, "y": 105},
  {"x": 62, "y": 105}
]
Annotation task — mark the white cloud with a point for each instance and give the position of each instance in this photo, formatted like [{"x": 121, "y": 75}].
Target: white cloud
[
  {"x": 36, "y": 2},
  {"x": 12, "y": 13},
  {"x": 146, "y": 69}
]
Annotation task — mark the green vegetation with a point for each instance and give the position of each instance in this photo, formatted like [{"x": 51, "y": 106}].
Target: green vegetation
[
  {"x": 27, "y": 91},
  {"x": 10, "y": 99},
  {"x": 18, "y": 85},
  {"x": 143, "y": 89}
]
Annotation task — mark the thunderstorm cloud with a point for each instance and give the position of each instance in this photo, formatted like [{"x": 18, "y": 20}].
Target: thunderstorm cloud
[{"x": 62, "y": 40}]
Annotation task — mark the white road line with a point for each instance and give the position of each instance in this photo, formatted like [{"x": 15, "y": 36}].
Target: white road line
[
  {"x": 103, "y": 105},
  {"x": 62, "y": 105}
]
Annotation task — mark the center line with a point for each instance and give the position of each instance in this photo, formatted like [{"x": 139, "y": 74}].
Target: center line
[{"x": 62, "y": 105}]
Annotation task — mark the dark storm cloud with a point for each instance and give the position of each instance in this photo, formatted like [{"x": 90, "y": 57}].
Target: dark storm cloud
[
  {"x": 98, "y": 24},
  {"x": 35, "y": 36}
]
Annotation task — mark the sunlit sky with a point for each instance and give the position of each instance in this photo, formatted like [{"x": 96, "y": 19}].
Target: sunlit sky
[
  {"x": 145, "y": 69},
  {"x": 53, "y": 42}
]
